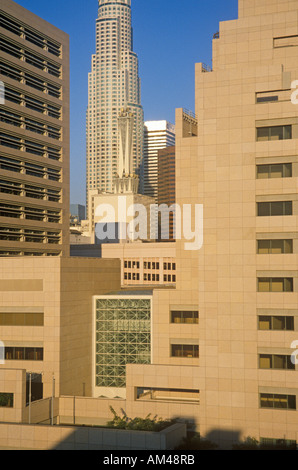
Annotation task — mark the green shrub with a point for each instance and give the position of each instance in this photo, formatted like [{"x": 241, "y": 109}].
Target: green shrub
[
  {"x": 154, "y": 424},
  {"x": 251, "y": 443}
]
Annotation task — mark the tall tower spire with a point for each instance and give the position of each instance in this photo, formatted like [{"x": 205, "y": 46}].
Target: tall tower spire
[{"x": 114, "y": 85}]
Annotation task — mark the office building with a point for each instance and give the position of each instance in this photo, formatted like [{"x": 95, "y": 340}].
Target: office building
[
  {"x": 46, "y": 318},
  {"x": 166, "y": 191},
  {"x": 45, "y": 296},
  {"x": 34, "y": 140},
  {"x": 144, "y": 264},
  {"x": 242, "y": 167},
  {"x": 157, "y": 135},
  {"x": 224, "y": 339},
  {"x": 77, "y": 213},
  {"x": 114, "y": 84},
  {"x": 113, "y": 213}
]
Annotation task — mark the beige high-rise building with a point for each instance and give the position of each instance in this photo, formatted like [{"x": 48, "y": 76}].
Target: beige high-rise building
[
  {"x": 34, "y": 140},
  {"x": 242, "y": 166},
  {"x": 45, "y": 295},
  {"x": 224, "y": 342},
  {"x": 219, "y": 351},
  {"x": 144, "y": 264}
]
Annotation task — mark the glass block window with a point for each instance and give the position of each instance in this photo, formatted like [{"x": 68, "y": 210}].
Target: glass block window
[{"x": 123, "y": 336}]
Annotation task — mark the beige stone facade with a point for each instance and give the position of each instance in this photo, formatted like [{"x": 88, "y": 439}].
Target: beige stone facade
[
  {"x": 144, "y": 264},
  {"x": 34, "y": 145},
  {"x": 46, "y": 318},
  {"x": 233, "y": 282},
  {"x": 222, "y": 341}
]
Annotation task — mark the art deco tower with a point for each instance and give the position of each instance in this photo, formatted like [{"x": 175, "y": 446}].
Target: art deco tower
[{"x": 114, "y": 85}]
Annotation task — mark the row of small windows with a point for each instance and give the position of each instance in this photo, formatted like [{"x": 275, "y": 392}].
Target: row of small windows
[
  {"x": 21, "y": 319},
  {"x": 274, "y": 133},
  {"x": 30, "y": 213},
  {"x": 185, "y": 317},
  {"x": 275, "y": 284},
  {"x": 30, "y": 125},
  {"x": 34, "y": 104},
  {"x": 274, "y": 246},
  {"x": 30, "y": 58},
  {"x": 33, "y": 81},
  {"x": 26, "y": 190},
  {"x": 149, "y": 265},
  {"x": 276, "y": 323},
  {"x": 265, "y": 322},
  {"x": 29, "y": 235},
  {"x": 23, "y": 354},
  {"x": 148, "y": 277},
  {"x": 276, "y": 361},
  {"x": 276, "y": 170},
  {"x": 36, "y": 38},
  {"x": 29, "y": 146},
  {"x": 277, "y": 401},
  {"x": 30, "y": 169},
  {"x": 14, "y": 253},
  {"x": 275, "y": 208}
]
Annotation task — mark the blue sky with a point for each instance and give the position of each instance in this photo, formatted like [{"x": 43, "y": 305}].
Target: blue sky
[{"x": 170, "y": 36}]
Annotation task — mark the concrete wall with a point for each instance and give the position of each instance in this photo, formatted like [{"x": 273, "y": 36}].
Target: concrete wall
[
  {"x": 25, "y": 437},
  {"x": 13, "y": 381},
  {"x": 88, "y": 411},
  {"x": 61, "y": 289}
]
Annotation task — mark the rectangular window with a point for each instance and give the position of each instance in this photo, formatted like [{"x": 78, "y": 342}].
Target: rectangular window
[
  {"x": 275, "y": 361},
  {"x": 181, "y": 316},
  {"x": 281, "y": 170},
  {"x": 286, "y": 41},
  {"x": 274, "y": 247},
  {"x": 275, "y": 284},
  {"x": 271, "y": 209},
  {"x": 21, "y": 319},
  {"x": 185, "y": 350},
  {"x": 269, "y": 400},
  {"x": 276, "y": 323},
  {"x": 267, "y": 99},
  {"x": 23, "y": 354},
  {"x": 269, "y": 443},
  {"x": 274, "y": 133},
  {"x": 6, "y": 400},
  {"x": 167, "y": 394}
]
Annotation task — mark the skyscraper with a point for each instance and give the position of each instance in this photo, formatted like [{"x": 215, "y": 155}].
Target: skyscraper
[
  {"x": 114, "y": 85},
  {"x": 167, "y": 189},
  {"x": 34, "y": 140},
  {"x": 158, "y": 135}
]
